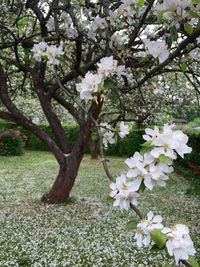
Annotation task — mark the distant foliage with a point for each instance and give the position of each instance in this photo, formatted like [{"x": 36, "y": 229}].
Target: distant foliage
[
  {"x": 189, "y": 167},
  {"x": 123, "y": 147}
]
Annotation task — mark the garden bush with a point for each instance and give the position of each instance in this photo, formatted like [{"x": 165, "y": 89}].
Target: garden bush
[
  {"x": 189, "y": 167},
  {"x": 123, "y": 147},
  {"x": 12, "y": 142},
  {"x": 34, "y": 143},
  {"x": 128, "y": 145}
]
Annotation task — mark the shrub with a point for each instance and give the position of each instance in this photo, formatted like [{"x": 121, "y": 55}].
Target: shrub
[
  {"x": 34, "y": 143},
  {"x": 189, "y": 167},
  {"x": 128, "y": 145},
  {"x": 123, "y": 147},
  {"x": 11, "y": 142}
]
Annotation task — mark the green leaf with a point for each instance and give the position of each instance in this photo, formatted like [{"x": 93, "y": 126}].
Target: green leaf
[
  {"x": 189, "y": 47},
  {"x": 141, "y": 3},
  {"x": 195, "y": 1},
  {"x": 142, "y": 186},
  {"x": 188, "y": 28},
  {"x": 193, "y": 262},
  {"x": 94, "y": 136},
  {"x": 65, "y": 2},
  {"x": 173, "y": 34},
  {"x": 160, "y": 15},
  {"x": 164, "y": 158},
  {"x": 159, "y": 238},
  {"x": 132, "y": 224},
  {"x": 144, "y": 59},
  {"x": 147, "y": 144},
  {"x": 109, "y": 83},
  {"x": 183, "y": 67},
  {"x": 155, "y": 248},
  {"x": 194, "y": 14},
  {"x": 146, "y": 147}
]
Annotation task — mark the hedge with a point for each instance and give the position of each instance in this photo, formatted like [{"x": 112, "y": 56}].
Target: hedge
[
  {"x": 123, "y": 147},
  {"x": 189, "y": 167}
]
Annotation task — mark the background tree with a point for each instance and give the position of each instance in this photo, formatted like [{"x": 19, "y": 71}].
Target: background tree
[{"x": 48, "y": 46}]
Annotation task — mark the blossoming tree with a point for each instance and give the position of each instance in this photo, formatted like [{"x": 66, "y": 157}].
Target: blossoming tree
[{"x": 80, "y": 53}]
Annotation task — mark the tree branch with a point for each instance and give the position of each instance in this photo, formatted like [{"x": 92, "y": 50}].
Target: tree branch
[{"x": 23, "y": 121}]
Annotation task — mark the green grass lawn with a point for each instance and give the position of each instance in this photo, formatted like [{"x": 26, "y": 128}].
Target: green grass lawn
[{"x": 88, "y": 231}]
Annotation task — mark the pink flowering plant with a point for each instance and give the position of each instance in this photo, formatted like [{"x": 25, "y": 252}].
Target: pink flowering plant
[{"x": 12, "y": 142}]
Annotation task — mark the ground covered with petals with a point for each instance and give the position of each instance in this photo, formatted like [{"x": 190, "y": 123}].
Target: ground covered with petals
[{"x": 87, "y": 230}]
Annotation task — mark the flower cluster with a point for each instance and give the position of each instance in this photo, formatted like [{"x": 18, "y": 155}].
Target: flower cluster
[
  {"x": 169, "y": 7},
  {"x": 151, "y": 168},
  {"x": 158, "y": 49},
  {"x": 179, "y": 243},
  {"x": 144, "y": 228},
  {"x": 126, "y": 9},
  {"x": 168, "y": 143},
  {"x": 148, "y": 170},
  {"x": 176, "y": 239},
  {"x": 123, "y": 192},
  {"x": 99, "y": 23},
  {"x": 93, "y": 83},
  {"x": 12, "y": 142},
  {"x": 51, "y": 52},
  {"x": 109, "y": 133},
  {"x": 90, "y": 84},
  {"x": 14, "y": 134}
]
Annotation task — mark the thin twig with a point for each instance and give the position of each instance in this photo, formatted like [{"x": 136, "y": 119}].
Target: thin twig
[{"x": 137, "y": 211}]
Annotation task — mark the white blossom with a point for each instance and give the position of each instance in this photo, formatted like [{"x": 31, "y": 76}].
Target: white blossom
[
  {"x": 148, "y": 170},
  {"x": 108, "y": 134},
  {"x": 53, "y": 52},
  {"x": 158, "y": 91},
  {"x": 108, "y": 138},
  {"x": 51, "y": 24},
  {"x": 123, "y": 129},
  {"x": 124, "y": 192},
  {"x": 39, "y": 50},
  {"x": 126, "y": 8},
  {"x": 168, "y": 6},
  {"x": 88, "y": 86},
  {"x": 99, "y": 23},
  {"x": 179, "y": 243},
  {"x": 167, "y": 142},
  {"x": 144, "y": 228},
  {"x": 90, "y": 83},
  {"x": 108, "y": 66},
  {"x": 158, "y": 49}
]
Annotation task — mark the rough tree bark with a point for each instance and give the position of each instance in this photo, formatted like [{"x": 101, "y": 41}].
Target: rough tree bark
[
  {"x": 65, "y": 180},
  {"x": 68, "y": 170},
  {"x": 94, "y": 149}
]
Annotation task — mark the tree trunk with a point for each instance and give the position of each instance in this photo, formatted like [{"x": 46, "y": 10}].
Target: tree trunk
[
  {"x": 94, "y": 149},
  {"x": 65, "y": 180}
]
